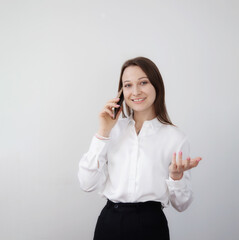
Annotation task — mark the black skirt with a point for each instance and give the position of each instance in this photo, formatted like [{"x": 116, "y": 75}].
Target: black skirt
[{"x": 129, "y": 221}]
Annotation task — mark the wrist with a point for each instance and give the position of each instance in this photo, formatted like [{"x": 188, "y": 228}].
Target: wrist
[
  {"x": 101, "y": 137},
  {"x": 103, "y": 133},
  {"x": 177, "y": 176}
]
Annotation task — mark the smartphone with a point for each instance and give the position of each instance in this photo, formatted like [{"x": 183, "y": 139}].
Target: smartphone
[{"x": 121, "y": 96}]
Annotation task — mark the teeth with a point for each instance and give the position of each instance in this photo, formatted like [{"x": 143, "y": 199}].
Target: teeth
[{"x": 138, "y": 100}]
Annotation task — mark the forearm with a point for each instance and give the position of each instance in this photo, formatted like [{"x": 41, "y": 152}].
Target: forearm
[
  {"x": 92, "y": 165},
  {"x": 180, "y": 192},
  {"x": 89, "y": 176}
]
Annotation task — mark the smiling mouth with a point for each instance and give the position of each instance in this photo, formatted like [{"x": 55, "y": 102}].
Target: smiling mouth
[{"x": 139, "y": 100}]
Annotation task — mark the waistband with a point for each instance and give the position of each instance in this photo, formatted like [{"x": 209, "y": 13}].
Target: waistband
[{"x": 134, "y": 205}]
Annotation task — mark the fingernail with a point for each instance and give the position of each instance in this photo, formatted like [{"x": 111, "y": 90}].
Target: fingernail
[
  {"x": 174, "y": 153},
  {"x": 180, "y": 153}
]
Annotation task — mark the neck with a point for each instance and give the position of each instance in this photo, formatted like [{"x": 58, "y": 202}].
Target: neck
[{"x": 140, "y": 117}]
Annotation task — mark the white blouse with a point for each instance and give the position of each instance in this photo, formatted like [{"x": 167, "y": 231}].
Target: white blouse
[{"x": 135, "y": 168}]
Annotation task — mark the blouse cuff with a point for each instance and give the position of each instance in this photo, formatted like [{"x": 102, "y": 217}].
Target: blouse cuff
[
  {"x": 176, "y": 184},
  {"x": 101, "y": 137},
  {"x": 97, "y": 145}
]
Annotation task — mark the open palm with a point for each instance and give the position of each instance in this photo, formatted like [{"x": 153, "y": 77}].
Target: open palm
[{"x": 177, "y": 168}]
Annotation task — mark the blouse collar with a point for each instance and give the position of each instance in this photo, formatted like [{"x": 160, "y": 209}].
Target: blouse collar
[{"x": 153, "y": 123}]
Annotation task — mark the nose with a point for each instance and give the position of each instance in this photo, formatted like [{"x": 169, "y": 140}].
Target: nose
[{"x": 136, "y": 90}]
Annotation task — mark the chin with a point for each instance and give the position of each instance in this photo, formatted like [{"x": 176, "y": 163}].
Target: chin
[{"x": 139, "y": 109}]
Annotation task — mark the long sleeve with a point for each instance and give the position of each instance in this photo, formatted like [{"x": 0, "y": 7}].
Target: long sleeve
[
  {"x": 134, "y": 168},
  {"x": 180, "y": 192},
  {"x": 92, "y": 172}
]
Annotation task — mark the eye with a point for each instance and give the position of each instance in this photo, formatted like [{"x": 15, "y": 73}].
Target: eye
[
  {"x": 144, "y": 83},
  {"x": 127, "y": 85}
]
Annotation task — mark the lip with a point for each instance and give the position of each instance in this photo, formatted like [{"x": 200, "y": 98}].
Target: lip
[{"x": 133, "y": 100}]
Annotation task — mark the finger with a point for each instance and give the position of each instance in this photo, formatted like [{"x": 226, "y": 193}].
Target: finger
[
  {"x": 111, "y": 105},
  {"x": 187, "y": 163},
  {"x": 107, "y": 111},
  {"x": 198, "y": 159},
  {"x": 174, "y": 164},
  {"x": 114, "y": 100},
  {"x": 180, "y": 164},
  {"x": 195, "y": 162}
]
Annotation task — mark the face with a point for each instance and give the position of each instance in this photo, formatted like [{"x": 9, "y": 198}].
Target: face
[{"x": 139, "y": 93}]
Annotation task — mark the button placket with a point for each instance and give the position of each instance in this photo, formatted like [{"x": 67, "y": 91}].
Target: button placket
[{"x": 133, "y": 165}]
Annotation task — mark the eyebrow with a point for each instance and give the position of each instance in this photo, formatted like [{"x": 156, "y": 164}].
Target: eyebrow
[{"x": 138, "y": 79}]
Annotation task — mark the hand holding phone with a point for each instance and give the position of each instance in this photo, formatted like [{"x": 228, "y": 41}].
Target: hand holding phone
[
  {"x": 121, "y": 97},
  {"x": 108, "y": 115}
]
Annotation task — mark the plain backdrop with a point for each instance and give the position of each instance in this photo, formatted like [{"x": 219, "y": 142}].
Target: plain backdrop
[{"x": 60, "y": 62}]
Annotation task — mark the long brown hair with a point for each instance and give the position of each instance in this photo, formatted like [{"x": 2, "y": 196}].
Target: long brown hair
[{"x": 154, "y": 76}]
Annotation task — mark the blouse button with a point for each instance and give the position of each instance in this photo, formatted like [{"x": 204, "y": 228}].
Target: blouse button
[{"x": 116, "y": 206}]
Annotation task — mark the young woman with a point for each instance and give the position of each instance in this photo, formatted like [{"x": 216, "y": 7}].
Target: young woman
[{"x": 139, "y": 162}]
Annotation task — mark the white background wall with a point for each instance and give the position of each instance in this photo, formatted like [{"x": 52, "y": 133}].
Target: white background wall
[{"x": 60, "y": 62}]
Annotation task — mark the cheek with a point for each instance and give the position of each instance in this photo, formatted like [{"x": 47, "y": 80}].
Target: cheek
[
  {"x": 127, "y": 100},
  {"x": 152, "y": 92},
  {"x": 154, "y": 95},
  {"x": 127, "y": 97},
  {"x": 126, "y": 94}
]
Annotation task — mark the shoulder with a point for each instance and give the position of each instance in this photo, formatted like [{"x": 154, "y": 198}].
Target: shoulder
[{"x": 173, "y": 132}]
